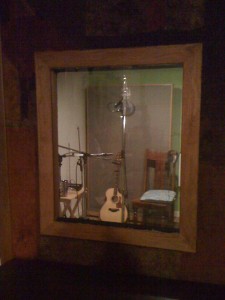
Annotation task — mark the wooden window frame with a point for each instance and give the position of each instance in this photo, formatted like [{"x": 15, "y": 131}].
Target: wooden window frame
[
  {"x": 190, "y": 57},
  {"x": 6, "y": 252}
]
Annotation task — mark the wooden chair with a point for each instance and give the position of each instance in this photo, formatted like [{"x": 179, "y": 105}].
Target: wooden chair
[{"x": 159, "y": 186}]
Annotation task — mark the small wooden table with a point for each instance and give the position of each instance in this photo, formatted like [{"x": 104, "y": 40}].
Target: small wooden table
[{"x": 66, "y": 201}]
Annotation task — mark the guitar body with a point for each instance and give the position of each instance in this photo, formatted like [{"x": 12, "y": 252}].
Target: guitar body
[{"x": 113, "y": 210}]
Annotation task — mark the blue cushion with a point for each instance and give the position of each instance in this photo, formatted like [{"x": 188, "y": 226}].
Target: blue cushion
[{"x": 163, "y": 195}]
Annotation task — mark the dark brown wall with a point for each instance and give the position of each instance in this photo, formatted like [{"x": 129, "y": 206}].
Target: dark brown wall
[{"x": 42, "y": 26}]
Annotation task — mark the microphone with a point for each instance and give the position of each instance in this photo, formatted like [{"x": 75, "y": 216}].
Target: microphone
[
  {"x": 118, "y": 104},
  {"x": 125, "y": 107},
  {"x": 80, "y": 164}
]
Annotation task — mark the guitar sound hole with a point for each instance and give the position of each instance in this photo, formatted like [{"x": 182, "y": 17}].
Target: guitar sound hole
[{"x": 115, "y": 199}]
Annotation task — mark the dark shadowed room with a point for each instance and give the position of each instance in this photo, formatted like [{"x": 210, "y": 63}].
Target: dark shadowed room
[{"x": 112, "y": 160}]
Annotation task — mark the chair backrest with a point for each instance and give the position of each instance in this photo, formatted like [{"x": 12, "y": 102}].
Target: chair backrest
[{"x": 160, "y": 170}]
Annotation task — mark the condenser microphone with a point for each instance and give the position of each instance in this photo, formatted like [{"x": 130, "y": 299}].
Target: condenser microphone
[
  {"x": 126, "y": 108},
  {"x": 118, "y": 104}
]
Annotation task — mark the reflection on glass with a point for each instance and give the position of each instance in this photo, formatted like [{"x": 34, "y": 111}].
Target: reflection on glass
[{"x": 117, "y": 129}]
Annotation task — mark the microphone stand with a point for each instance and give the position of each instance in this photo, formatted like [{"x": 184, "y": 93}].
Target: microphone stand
[
  {"x": 125, "y": 95},
  {"x": 83, "y": 156}
]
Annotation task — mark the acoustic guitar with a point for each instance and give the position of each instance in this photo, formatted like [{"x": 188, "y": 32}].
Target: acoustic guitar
[{"x": 114, "y": 209}]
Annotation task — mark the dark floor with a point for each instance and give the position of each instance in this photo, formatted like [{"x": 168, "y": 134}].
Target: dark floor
[
  {"x": 158, "y": 224},
  {"x": 36, "y": 279}
]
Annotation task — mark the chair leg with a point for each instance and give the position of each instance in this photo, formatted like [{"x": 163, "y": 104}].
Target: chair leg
[
  {"x": 170, "y": 213},
  {"x": 135, "y": 215},
  {"x": 146, "y": 213}
]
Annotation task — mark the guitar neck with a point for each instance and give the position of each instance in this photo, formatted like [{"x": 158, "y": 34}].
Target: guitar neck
[{"x": 116, "y": 182}]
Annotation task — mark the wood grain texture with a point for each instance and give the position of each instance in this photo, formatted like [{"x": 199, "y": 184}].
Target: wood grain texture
[
  {"x": 5, "y": 213},
  {"x": 22, "y": 191},
  {"x": 207, "y": 264},
  {"x": 187, "y": 55}
]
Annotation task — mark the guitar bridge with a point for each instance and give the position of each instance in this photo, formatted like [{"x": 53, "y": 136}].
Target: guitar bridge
[{"x": 113, "y": 209}]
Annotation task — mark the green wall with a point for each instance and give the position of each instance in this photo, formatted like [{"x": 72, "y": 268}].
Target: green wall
[{"x": 171, "y": 75}]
